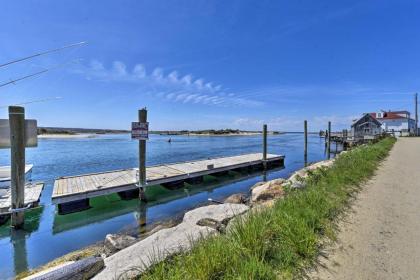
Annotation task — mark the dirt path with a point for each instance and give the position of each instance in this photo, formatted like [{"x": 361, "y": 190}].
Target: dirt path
[{"x": 380, "y": 239}]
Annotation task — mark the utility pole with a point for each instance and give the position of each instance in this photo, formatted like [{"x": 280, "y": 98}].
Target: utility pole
[
  {"x": 17, "y": 141},
  {"x": 142, "y": 158}
]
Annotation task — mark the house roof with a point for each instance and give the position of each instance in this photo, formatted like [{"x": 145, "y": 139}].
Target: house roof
[
  {"x": 372, "y": 118},
  {"x": 401, "y": 112},
  {"x": 391, "y": 115}
]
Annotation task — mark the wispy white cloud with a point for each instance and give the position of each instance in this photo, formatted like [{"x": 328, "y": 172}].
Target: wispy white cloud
[
  {"x": 119, "y": 68},
  {"x": 171, "y": 87},
  {"x": 139, "y": 71},
  {"x": 187, "y": 79}
]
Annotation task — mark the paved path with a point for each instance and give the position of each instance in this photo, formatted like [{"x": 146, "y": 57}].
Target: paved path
[{"x": 380, "y": 239}]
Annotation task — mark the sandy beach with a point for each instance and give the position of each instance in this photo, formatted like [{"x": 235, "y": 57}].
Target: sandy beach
[{"x": 66, "y": 136}]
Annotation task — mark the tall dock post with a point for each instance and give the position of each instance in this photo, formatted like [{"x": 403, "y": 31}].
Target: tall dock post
[
  {"x": 305, "y": 134},
  {"x": 17, "y": 140},
  {"x": 265, "y": 146},
  {"x": 329, "y": 140},
  {"x": 416, "y": 131},
  {"x": 142, "y": 158}
]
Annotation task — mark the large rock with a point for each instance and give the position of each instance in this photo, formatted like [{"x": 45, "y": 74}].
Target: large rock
[
  {"x": 78, "y": 270},
  {"x": 133, "y": 260},
  {"x": 116, "y": 242},
  {"x": 268, "y": 191},
  {"x": 236, "y": 220},
  {"x": 220, "y": 213},
  {"x": 325, "y": 163},
  {"x": 208, "y": 222},
  {"x": 297, "y": 180},
  {"x": 257, "y": 184},
  {"x": 158, "y": 227},
  {"x": 342, "y": 153},
  {"x": 237, "y": 198}
]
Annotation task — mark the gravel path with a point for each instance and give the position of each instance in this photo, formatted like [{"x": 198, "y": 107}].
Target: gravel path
[{"x": 380, "y": 238}]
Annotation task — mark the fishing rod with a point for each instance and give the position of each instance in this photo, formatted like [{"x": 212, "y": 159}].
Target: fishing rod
[
  {"x": 25, "y": 77},
  {"x": 33, "y": 74},
  {"x": 42, "y": 53},
  {"x": 32, "y": 101}
]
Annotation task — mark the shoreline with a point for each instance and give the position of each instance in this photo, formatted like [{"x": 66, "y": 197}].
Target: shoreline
[
  {"x": 67, "y": 136},
  {"x": 285, "y": 175},
  {"x": 308, "y": 214},
  {"x": 221, "y": 135},
  {"x": 94, "y": 135},
  {"x": 97, "y": 249}
]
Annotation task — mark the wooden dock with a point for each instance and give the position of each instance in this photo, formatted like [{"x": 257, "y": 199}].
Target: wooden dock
[
  {"x": 32, "y": 196},
  {"x": 78, "y": 189}
]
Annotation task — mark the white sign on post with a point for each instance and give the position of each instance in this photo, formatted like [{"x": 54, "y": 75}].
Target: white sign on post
[
  {"x": 140, "y": 131},
  {"x": 31, "y": 137}
]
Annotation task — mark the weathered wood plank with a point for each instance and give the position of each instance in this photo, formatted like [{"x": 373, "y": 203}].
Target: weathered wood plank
[
  {"x": 32, "y": 195},
  {"x": 91, "y": 185}
]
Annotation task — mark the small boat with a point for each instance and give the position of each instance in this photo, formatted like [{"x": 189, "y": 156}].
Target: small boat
[{"x": 5, "y": 175}]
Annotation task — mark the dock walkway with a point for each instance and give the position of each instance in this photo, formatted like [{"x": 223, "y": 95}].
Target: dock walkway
[
  {"x": 78, "y": 188},
  {"x": 32, "y": 195}
]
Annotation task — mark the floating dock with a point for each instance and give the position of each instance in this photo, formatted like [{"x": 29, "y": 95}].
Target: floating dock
[
  {"x": 72, "y": 193},
  {"x": 32, "y": 195}
]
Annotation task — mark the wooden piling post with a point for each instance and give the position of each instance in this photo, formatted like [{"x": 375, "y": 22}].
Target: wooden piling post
[
  {"x": 329, "y": 140},
  {"x": 142, "y": 158},
  {"x": 17, "y": 140},
  {"x": 416, "y": 131},
  {"x": 265, "y": 146},
  {"x": 305, "y": 134}
]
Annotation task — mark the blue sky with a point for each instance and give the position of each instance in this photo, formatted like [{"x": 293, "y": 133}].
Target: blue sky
[{"x": 211, "y": 64}]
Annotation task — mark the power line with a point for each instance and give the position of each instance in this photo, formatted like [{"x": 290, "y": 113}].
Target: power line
[{"x": 42, "y": 53}]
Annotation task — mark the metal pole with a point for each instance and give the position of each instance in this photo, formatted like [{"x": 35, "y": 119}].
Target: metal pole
[
  {"x": 142, "y": 158},
  {"x": 329, "y": 140},
  {"x": 17, "y": 140}
]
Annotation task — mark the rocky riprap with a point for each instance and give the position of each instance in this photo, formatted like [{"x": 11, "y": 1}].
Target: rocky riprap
[{"x": 127, "y": 257}]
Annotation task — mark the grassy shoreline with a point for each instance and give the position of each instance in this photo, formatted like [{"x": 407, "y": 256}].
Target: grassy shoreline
[{"x": 281, "y": 241}]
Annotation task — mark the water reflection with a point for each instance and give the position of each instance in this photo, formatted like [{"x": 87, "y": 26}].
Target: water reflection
[
  {"x": 47, "y": 235},
  {"x": 141, "y": 216},
  {"x": 20, "y": 259},
  {"x": 111, "y": 206}
]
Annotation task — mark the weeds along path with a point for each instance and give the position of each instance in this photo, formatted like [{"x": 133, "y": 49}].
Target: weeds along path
[
  {"x": 380, "y": 238},
  {"x": 277, "y": 242}
]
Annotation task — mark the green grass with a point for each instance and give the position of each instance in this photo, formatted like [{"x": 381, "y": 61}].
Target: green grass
[{"x": 279, "y": 242}]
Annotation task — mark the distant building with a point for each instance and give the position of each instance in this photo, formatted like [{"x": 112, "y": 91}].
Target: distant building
[
  {"x": 398, "y": 122},
  {"x": 367, "y": 127}
]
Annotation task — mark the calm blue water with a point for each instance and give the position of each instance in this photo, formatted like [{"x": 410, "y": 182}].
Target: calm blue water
[{"x": 47, "y": 235}]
